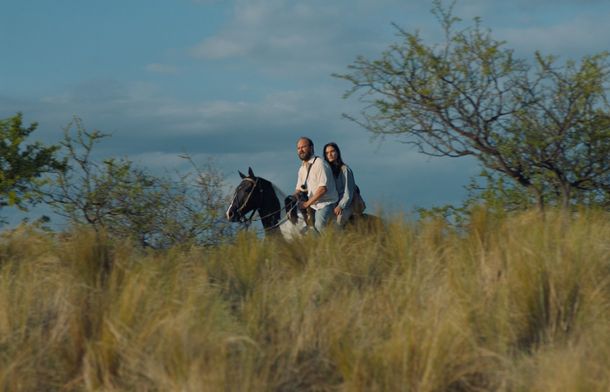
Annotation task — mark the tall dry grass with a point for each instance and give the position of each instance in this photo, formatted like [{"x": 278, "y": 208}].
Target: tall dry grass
[{"x": 517, "y": 304}]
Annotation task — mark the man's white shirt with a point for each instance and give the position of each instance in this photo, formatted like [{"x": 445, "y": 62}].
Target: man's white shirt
[{"x": 320, "y": 174}]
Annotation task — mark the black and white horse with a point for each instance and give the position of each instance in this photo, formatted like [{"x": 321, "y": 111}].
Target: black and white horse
[{"x": 256, "y": 194}]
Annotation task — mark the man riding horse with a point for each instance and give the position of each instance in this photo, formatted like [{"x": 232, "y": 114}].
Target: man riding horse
[{"x": 316, "y": 182}]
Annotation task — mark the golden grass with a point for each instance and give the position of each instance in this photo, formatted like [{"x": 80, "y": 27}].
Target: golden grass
[{"x": 513, "y": 304}]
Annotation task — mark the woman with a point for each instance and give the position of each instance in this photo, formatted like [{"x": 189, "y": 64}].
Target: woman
[{"x": 344, "y": 180}]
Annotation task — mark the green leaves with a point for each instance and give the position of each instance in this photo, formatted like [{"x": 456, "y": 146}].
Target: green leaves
[
  {"x": 542, "y": 124},
  {"x": 23, "y": 165},
  {"x": 125, "y": 201}
]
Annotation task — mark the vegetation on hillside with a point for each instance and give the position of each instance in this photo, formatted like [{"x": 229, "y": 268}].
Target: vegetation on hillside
[
  {"x": 23, "y": 164},
  {"x": 149, "y": 288},
  {"x": 519, "y": 303},
  {"x": 116, "y": 196},
  {"x": 110, "y": 194},
  {"x": 541, "y": 125}
]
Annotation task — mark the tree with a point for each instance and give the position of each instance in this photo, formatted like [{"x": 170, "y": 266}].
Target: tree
[
  {"x": 125, "y": 201},
  {"x": 489, "y": 191},
  {"x": 22, "y": 165},
  {"x": 546, "y": 125}
]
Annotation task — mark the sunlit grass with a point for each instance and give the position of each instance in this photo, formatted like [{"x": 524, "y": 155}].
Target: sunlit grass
[{"x": 521, "y": 303}]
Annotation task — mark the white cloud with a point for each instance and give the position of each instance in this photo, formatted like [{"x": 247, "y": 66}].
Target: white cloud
[
  {"x": 216, "y": 48},
  {"x": 153, "y": 129},
  {"x": 318, "y": 37},
  {"x": 576, "y": 37},
  {"x": 292, "y": 37},
  {"x": 161, "y": 68},
  {"x": 158, "y": 161}
]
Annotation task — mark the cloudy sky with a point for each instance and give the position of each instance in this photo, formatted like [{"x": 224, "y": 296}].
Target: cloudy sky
[{"x": 240, "y": 80}]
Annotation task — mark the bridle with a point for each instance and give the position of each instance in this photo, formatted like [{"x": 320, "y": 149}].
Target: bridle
[
  {"x": 242, "y": 218},
  {"x": 247, "y": 221}
]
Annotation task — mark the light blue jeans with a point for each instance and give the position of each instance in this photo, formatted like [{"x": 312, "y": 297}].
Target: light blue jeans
[{"x": 322, "y": 216}]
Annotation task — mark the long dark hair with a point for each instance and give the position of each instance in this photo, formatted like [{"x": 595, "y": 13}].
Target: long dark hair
[{"x": 338, "y": 163}]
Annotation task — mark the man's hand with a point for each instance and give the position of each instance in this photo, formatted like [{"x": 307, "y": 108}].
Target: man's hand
[{"x": 316, "y": 196}]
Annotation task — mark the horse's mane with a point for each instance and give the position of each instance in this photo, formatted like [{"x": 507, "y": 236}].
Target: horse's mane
[
  {"x": 281, "y": 196},
  {"x": 278, "y": 192}
]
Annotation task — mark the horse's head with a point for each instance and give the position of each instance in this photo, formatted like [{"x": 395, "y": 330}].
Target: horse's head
[{"x": 247, "y": 197}]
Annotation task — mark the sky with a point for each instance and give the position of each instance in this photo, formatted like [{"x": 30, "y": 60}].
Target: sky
[{"x": 239, "y": 81}]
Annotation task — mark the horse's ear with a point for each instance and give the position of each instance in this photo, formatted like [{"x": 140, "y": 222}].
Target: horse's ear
[
  {"x": 242, "y": 175},
  {"x": 250, "y": 172}
]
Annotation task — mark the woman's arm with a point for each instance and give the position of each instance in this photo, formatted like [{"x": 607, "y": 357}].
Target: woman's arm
[{"x": 349, "y": 186}]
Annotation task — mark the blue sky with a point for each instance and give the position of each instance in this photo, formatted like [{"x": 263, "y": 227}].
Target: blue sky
[{"x": 239, "y": 81}]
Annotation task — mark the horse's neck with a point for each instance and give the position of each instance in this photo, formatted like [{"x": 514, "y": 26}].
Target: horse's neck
[
  {"x": 270, "y": 211},
  {"x": 288, "y": 229}
]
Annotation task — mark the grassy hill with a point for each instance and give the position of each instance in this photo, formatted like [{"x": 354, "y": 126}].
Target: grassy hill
[{"x": 518, "y": 304}]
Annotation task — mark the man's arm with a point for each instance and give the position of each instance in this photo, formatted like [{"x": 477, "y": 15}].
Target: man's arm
[
  {"x": 314, "y": 198},
  {"x": 300, "y": 181}
]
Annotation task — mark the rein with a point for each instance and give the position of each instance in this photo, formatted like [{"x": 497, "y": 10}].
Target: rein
[
  {"x": 264, "y": 202},
  {"x": 243, "y": 219},
  {"x": 260, "y": 218},
  {"x": 282, "y": 220},
  {"x": 248, "y": 221}
]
